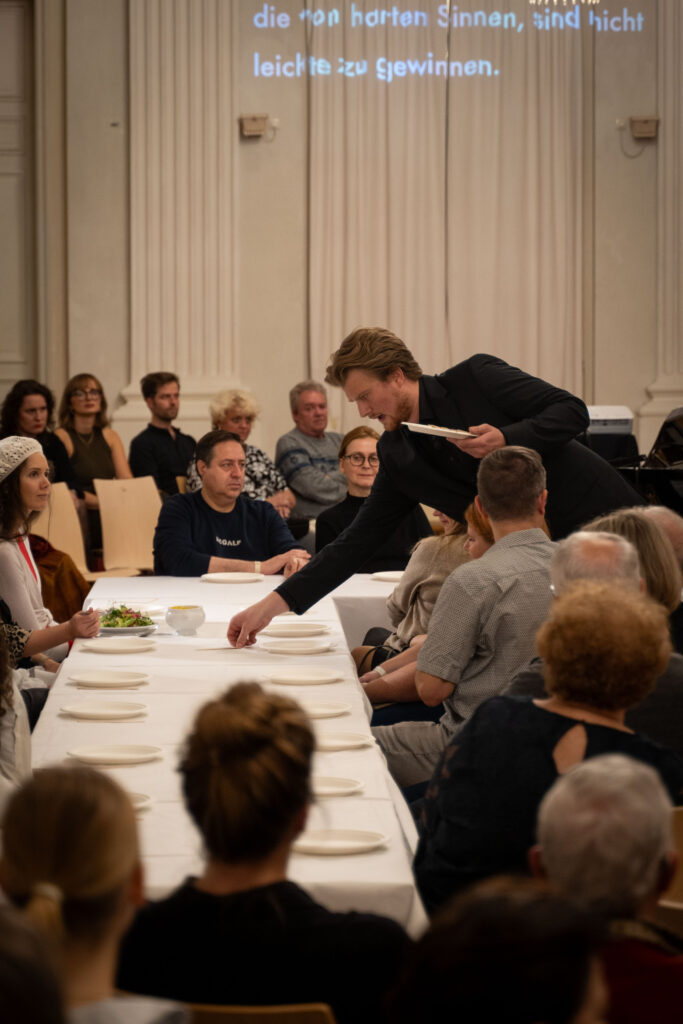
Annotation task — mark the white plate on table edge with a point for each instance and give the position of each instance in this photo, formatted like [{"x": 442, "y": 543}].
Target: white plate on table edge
[
  {"x": 118, "y": 645},
  {"x": 389, "y": 576},
  {"x": 128, "y": 630},
  {"x": 116, "y": 753},
  {"x": 325, "y": 708},
  {"x": 342, "y": 740},
  {"x": 290, "y": 646},
  {"x": 231, "y": 577},
  {"x": 300, "y": 677},
  {"x": 140, "y": 801},
  {"x": 112, "y": 678},
  {"x": 339, "y": 841},
  {"x": 330, "y": 785},
  {"x": 105, "y": 710},
  {"x": 295, "y": 630},
  {"x": 435, "y": 431}
]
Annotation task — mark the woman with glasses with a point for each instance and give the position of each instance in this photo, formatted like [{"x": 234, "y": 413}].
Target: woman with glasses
[
  {"x": 359, "y": 463},
  {"x": 95, "y": 450}
]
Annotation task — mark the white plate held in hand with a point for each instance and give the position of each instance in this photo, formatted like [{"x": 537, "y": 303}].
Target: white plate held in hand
[
  {"x": 112, "y": 679},
  {"x": 435, "y": 431},
  {"x": 116, "y": 753},
  {"x": 338, "y": 841},
  {"x": 105, "y": 710}
]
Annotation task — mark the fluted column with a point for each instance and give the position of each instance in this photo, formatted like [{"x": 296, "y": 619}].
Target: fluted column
[{"x": 666, "y": 391}]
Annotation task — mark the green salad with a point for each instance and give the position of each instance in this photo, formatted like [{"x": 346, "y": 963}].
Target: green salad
[{"x": 124, "y": 618}]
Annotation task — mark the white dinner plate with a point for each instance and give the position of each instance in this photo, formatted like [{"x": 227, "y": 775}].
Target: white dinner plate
[
  {"x": 327, "y": 785},
  {"x": 140, "y": 801},
  {"x": 325, "y": 708},
  {"x": 111, "y": 678},
  {"x": 431, "y": 428},
  {"x": 390, "y": 576},
  {"x": 127, "y": 630},
  {"x": 339, "y": 841},
  {"x": 116, "y": 753},
  {"x": 295, "y": 629},
  {"x": 343, "y": 740},
  {"x": 105, "y": 709},
  {"x": 232, "y": 577},
  {"x": 119, "y": 645},
  {"x": 296, "y": 646},
  {"x": 303, "y": 677}
]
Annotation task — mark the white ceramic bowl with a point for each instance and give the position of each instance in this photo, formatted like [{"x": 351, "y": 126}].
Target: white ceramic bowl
[{"x": 185, "y": 619}]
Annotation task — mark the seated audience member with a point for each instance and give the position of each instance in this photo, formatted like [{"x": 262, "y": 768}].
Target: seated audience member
[
  {"x": 29, "y": 991},
  {"x": 236, "y": 410},
  {"x": 70, "y": 861},
  {"x": 672, "y": 525},
  {"x": 161, "y": 450},
  {"x": 15, "y": 733},
  {"x": 612, "y": 559},
  {"x": 359, "y": 463},
  {"x": 483, "y": 625},
  {"x": 603, "y": 648},
  {"x": 217, "y": 529},
  {"x": 28, "y": 411},
  {"x": 24, "y": 492},
  {"x": 240, "y": 933},
  {"x": 307, "y": 456},
  {"x": 412, "y": 602},
  {"x": 604, "y": 837},
  {"x": 658, "y": 563},
  {"x": 511, "y": 950}
]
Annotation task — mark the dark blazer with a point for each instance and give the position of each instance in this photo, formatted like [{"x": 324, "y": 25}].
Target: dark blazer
[{"x": 419, "y": 468}]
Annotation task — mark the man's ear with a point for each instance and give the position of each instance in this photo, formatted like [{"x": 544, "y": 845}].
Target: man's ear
[
  {"x": 667, "y": 870},
  {"x": 148, "y": 403},
  {"x": 201, "y": 467},
  {"x": 479, "y": 507},
  {"x": 542, "y": 500}
]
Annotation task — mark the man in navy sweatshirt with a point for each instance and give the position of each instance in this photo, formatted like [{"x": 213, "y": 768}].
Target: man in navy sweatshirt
[{"x": 217, "y": 529}]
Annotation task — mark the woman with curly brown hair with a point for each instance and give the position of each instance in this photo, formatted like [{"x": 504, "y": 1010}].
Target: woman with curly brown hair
[
  {"x": 603, "y": 649},
  {"x": 241, "y": 933}
]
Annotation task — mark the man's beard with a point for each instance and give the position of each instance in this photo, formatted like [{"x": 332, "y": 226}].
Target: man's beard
[{"x": 403, "y": 412}]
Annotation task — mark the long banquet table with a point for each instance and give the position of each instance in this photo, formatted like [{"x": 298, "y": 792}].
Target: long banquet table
[{"x": 184, "y": 672}]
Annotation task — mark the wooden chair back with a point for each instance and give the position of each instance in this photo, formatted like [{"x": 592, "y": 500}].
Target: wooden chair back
[
  {"x": 58, "y": 523},
  {"x": 299, "y": 1013},
  {"x": 129, "y": 510}
]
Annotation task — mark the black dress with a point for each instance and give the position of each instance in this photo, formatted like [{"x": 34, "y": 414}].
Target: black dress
[
  {"x": 396, "y": 550},
  {"x": 479, "y": 812}
]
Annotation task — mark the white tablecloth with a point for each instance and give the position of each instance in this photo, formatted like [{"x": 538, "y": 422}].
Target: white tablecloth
[{"x": 184, "y": 672}]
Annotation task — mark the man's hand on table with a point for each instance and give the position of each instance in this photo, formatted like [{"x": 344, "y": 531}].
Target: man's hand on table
[
  {"x": 488, "y": 439},
  {"x": 280, "y": 562},
  {"x": 244, "y": 626}
]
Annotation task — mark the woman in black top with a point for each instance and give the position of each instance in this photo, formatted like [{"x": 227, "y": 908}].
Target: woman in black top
[
  {"x": 28, "y": 411},
  {"x": 359, "y": 462}
]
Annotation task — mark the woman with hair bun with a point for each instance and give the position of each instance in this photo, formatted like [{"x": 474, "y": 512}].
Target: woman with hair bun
[
  {"x": 240, "y": 933},
  {"x": 70, "y": 862}
]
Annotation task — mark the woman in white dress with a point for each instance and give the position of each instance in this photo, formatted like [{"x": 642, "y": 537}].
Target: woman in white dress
[{"x": 24, "y": 493}]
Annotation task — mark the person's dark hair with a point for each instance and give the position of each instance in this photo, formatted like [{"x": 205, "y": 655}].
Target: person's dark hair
[
  {"x": 9, "y": 417},
  {"x": 509, "y": 482},
  {"x": 357, "y": 434},
  {"x": 29, "y": 989},
  {"x": 207, "y": 443},
  {"x": 374, "y": 350},
  {"x": 151, "y": 382},
  {"x": 507, "y": 949},
  {"x": 246, "y": 771},
  {"x": 65, "y": 413},
  {"x": 13, "y": 520}
]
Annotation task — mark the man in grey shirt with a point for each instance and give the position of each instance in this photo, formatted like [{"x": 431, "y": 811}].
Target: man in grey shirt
[
  {"x": 308, "y": 456},
  {"x": 484, "y": 623}
]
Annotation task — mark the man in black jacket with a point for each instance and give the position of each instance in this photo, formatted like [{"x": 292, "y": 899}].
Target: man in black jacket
[{"x": 498, "y": 403}]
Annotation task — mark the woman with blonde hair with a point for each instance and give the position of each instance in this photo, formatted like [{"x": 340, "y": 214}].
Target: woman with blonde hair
[
  {"x": 359, "y": 462},
  {"x": 241, "y": 933},
  {"x": 235, "y": 410},
  {"x": 70, "y": 862}
]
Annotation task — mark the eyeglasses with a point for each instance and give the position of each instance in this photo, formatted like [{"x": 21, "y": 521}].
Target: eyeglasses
[
  {"x": 359, "y": 460},
  {"x": 86, "y": 392}
]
